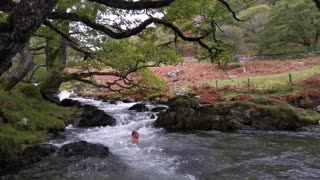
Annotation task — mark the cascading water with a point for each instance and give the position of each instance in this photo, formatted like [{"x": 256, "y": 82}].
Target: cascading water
[{"x": 192, "y": 155}]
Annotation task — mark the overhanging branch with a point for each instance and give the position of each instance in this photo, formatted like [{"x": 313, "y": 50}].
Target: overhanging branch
[
  {"x": 131, "y": 32},
  {"x": 134, "y": 5},
  {"x": 229, "y": 9}
]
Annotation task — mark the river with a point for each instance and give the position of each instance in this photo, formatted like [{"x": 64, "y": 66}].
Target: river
[{"x": 180, "y": 156}]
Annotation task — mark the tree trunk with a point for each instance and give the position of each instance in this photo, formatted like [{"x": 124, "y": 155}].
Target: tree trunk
[
  {"x": 24, "y": 20},
  {"x": 55, "y": 65},
  {"x": 50, "y": 87},
  {"x": 315, "y": 41},
  {"x": 17, "y": 75}
]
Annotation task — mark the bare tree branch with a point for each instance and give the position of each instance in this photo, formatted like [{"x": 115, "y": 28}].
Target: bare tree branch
[
  {"x": 130, "y": 32},
  {"x": 229, "y": 9},
  {"x": 48, "y": 24},
  {"x": 37, "y": 48},
  {"x": 35, "y": 69}
]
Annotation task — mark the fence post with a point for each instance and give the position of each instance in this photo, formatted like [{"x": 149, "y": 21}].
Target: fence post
[
  {"x": 217, "y": 84},
  {"x": 248, "y": 83},
  {"x": 290, "y": 78}
]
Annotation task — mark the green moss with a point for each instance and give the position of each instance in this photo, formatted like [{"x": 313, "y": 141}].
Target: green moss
[
  {"x": 183, "y": 102},
  {"x": 28, "y": 116},
  {"x": 13, "y": 139},
  {"x": 288, "y": 117},
  {"x": 156, "y": 95},
  {"x": 266, "y": 114},
  {"x": 29, "y": 90}
]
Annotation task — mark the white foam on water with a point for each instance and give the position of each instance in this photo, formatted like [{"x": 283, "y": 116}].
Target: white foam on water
[
  {"x": 64, "y": 94},
  {"x": 146, "y": 157}
]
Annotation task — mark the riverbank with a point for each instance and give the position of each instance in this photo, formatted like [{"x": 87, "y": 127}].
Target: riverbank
[
  {"x": 25, "y": 119},
  {"x": 185, "y": 155}
]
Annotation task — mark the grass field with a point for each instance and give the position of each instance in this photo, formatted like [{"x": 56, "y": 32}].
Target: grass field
[{"x": 268, "y": 81}]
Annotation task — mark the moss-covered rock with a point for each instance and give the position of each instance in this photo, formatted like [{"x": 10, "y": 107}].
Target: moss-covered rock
[
  {"x": 182, "y": 102},
  {"x": 262, "y": 114}
]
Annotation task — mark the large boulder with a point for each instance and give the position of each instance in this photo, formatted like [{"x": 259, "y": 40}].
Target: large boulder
[
  {"x": 140, "y": 107},
  {"x": 69, "y": 102},
  {"x": 83, "y": 149},
  {"x": 182, "y": 102},
  {"x": 258, "y": 114},
  {"x": 92, "y": 117},
  {"x": 37, "y": 152}
]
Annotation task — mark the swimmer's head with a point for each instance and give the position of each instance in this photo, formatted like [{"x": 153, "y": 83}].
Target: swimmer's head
[{"x": 135, "y": 134}]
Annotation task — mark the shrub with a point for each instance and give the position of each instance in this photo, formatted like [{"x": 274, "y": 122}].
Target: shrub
[{"x": 29, "y": 90}]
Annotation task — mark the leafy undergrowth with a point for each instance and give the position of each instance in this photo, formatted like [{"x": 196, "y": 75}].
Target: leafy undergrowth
[{"x": 25, "y": 117}]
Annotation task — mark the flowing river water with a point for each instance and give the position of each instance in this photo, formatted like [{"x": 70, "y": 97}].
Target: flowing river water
[{"x": 186, "y": 156}]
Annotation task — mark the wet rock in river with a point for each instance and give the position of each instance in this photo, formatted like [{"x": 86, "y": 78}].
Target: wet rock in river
[
  {"x": 128, "y": 100},
  {"x": 159, "y": 109},
  {"x": 152, "y": 116},
  {"x": 261, "y": 114},
  {"x": 69, "y": 102},
  {"x": 83, "y": 149},
  {"x": 92, "y": 117},
  {"x": 140, "y": 107}
]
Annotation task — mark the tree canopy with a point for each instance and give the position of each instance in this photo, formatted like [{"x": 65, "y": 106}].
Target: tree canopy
[
  {"x": 285, "y": 25},
  {"x": 127, "y": 36},
  {"x": 86, "y": 29}
]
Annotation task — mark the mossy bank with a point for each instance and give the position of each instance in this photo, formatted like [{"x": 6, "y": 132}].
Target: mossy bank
[
  {"x": 25, "y": 117},
  {"x": 261, "y": 114}
]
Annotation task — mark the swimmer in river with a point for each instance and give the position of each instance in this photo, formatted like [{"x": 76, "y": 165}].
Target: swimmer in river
[{"x": 135, "y": 137}]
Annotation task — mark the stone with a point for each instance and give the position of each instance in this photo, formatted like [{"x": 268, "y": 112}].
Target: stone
[
  {"x": 140, "y": 107},
  {"x": 113, "y": 102},
  {"x": 318, "y": 108},
  {"x": 152, "y": 116},
  {"x": 36, "y": 152},
  {"x": 83, "y": 149},
  {"x": 159, "y": 109},
  {"x": 175, "y": 74},
  {"x": 260, "y": 114},
  {"x": 69, "y": 103},
  {"x": 73, "y": 95},
  {"x": 182, "y": 102},
  {"x": 128, "y": 100},
  {"x": 233, "y": 77},
  {"x": 92, "y": 117},
  {"x": 55, "y": 136}
]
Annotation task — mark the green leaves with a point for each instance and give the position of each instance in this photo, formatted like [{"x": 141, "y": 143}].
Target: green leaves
[
  {"x": 290, "y": 22},
  {"x": 254, "y": 10},
  {"x": 128, "y": 53}
]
